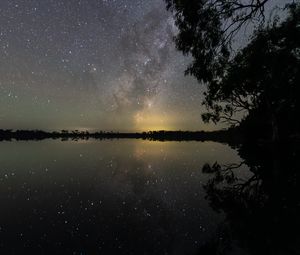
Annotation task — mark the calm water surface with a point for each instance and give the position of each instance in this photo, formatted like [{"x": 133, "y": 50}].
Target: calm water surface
[{"x": 107, "y": 197}]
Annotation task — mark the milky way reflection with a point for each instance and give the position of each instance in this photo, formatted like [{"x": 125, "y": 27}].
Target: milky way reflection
[{"x": 128, "y": 196}]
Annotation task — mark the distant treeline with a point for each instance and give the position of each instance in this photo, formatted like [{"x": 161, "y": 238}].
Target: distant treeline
[{"x": 162, "y": 135}]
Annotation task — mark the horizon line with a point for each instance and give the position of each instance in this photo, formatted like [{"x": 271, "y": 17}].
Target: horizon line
[{"x": 106, "y": 131}]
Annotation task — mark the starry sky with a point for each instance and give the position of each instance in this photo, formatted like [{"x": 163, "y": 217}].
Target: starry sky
[{"x": 94, "y": 65}]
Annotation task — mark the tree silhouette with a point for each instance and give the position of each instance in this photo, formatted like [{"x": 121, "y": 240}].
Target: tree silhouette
[
  {"x": 263, "y": 77},
  {"x": 207, "y": 27},
  {"x": 260, "y": 80}
]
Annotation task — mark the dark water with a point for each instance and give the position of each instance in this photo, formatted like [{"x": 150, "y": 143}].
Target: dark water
[{"x": 125, "y": 197}]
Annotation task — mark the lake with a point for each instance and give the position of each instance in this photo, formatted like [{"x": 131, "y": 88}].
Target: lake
[{"x": 110, "y": 196}]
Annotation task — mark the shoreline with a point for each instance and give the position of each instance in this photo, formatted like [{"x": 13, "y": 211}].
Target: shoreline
[{"x": 162, "y": 135}]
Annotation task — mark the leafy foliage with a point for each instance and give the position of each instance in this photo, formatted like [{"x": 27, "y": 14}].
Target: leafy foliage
[
  {"x": 260, "y": 82},
  {"x": 263, "y": 76},
  {"x": 206, "y": 29}
]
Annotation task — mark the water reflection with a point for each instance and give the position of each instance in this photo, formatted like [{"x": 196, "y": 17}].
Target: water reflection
[
  {"x": 261, "y": 212},
  {"x": 125, "y": 197},
  {"x": 145, "y": 197}
]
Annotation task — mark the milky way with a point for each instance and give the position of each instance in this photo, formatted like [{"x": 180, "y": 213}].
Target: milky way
[{"x": 91, "y": 64}]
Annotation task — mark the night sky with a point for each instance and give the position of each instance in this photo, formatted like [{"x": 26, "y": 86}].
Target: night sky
[{"x": 96, "y": 65}]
